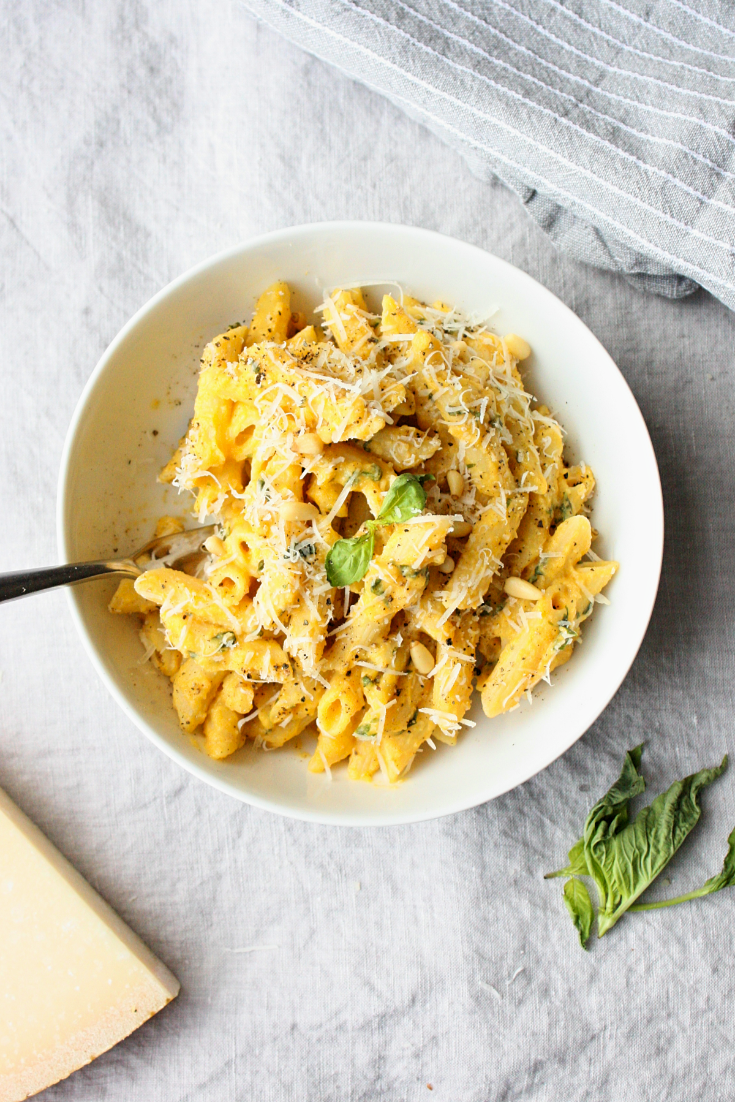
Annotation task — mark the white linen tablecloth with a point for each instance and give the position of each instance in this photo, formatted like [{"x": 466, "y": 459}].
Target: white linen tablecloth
[{"x": 137, "y": 139}]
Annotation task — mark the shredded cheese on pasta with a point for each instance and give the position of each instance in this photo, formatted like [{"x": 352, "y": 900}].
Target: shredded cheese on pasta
[{"x": 297, "y": 435}]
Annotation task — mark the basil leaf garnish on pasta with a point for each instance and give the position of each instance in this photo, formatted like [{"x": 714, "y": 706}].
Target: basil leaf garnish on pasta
[
  {"x": 405, "y": 499},
  {"x": 623, "y": 858},
  {"x": 348, "y": 560}
]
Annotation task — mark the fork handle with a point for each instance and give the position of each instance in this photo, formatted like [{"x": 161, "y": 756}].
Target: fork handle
[{"x": 23, "y": 582}]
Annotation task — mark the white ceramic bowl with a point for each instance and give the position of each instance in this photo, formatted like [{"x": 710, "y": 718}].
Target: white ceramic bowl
[{"x": 137, "y": 404}]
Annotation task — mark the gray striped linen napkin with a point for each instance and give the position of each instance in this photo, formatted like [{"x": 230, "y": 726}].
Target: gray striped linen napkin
[{"x": 613, "y": 121}]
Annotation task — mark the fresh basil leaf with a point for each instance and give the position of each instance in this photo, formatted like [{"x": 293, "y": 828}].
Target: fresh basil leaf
[
  {"x": 614, "y": 804},
  {"x": 577, "y": 864},
  {"x": 348, "y": 560},
  {"x": 624, "y": 859},
  {"x": 724, "y": 879},
  {"x": 579, "y": 905},
  {"x": 405, "y": 499}
]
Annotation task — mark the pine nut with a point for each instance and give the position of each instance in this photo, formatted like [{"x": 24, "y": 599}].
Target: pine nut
[
  {"x": 298, "y": 510},
  {"x": 455, "y": 483},
  {"x": 309, "y": 443},
  {"x": 214, "y": 545},
  {"x": 524, "y": 591},
  {"x": 517, "y": 346},
  {"x": 422, "y": 658},
  {"x": 461, "y": 528},
  {"x": 447, "y": 566}
]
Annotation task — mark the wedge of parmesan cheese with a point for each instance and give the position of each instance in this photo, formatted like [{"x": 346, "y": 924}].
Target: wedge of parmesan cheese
[{"x": 74, "y": 980}]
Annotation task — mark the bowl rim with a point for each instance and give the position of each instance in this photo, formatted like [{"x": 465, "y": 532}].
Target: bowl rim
[{"x": 334, "y": 818}]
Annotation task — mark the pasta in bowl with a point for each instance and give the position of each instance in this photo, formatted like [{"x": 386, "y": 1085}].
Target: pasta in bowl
[
  {"x": 398, "y": 527},
  {"x": 138, "y": 402}
]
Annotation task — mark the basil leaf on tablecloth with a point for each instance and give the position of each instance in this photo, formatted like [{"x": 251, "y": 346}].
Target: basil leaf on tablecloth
[
  {"x": 579, "y": 905},
  {"x": 624, "y": 858},
  {"x": 624, "y": 862},
  {"x": 613, "y": 806},
  {"x": 724, "y": 879},
  {"x": 577, "y": 863}
]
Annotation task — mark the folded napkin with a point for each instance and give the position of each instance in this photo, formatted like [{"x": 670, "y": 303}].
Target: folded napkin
[{"x": 613, "y": 121}]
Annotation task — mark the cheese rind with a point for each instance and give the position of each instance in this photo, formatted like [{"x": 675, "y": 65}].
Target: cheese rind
[{"x": 74, "y": 979}]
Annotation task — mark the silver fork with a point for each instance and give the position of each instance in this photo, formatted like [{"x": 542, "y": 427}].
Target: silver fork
[{"x": 165, "y": 551}]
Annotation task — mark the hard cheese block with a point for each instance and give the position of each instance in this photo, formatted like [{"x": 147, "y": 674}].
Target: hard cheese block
[{"x": 74, "y": 980}]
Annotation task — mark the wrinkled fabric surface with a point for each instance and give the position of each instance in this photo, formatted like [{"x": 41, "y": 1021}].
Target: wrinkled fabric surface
[
  {"x": 137, "y": 140},
  {"x": 613, "y": 122}
]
